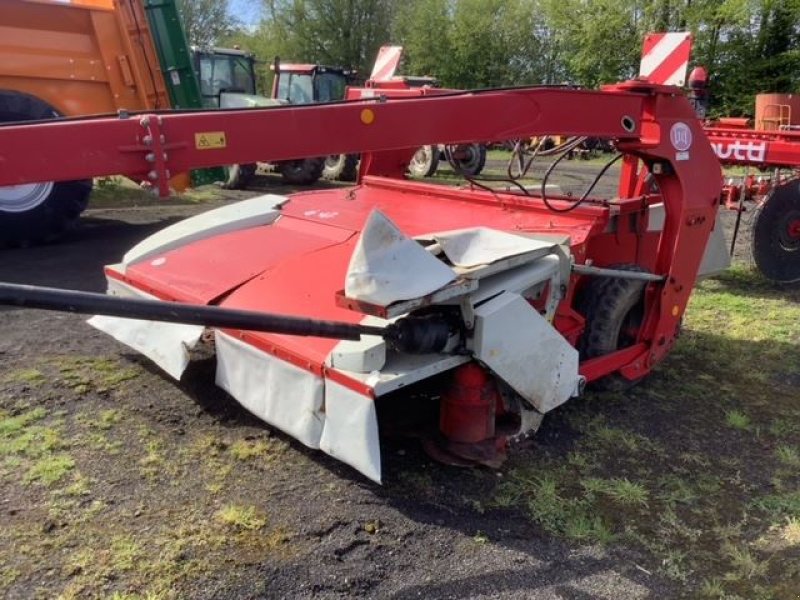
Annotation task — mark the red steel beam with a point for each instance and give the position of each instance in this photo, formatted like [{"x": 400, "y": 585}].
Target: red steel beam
[{"x": 84, "y": 148}]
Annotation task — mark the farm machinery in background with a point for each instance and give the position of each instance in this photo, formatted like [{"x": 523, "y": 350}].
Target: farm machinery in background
[
  {"x": 89, "y": 57},
  {"x": 496, "y": 305},
  {"x": 770, "y": 154},
  {"x": 312, "y": 83}
]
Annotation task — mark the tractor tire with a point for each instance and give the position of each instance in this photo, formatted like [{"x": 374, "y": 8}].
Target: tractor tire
[
  {"x": 474, "y": 160},
  {"x": 341, "y": 167},
  {"x": 424, "y": 162},
  {"x": 239, "y": 176},
  {"x": 304, "y": 171},
  {"x": 614, "y": 312},
  {"x": 776, "y": 234},
  {"x": 36, "y": 213}
]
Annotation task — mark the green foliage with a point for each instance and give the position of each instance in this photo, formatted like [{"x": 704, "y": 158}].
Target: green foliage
[
  {"x": 205, "y": 21},
  {"x": 748, "y": 46},
  {"x": 737, "y": 420}
]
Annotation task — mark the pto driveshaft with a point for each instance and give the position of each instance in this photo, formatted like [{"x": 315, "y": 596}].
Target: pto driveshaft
[{"x": 45, "y": 298}]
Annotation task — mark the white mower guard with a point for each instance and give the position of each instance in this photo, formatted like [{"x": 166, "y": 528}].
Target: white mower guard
[{"x": 326, "y": 415}]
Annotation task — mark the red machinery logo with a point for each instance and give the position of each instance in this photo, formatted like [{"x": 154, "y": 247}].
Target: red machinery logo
[{"x": 738, "y": 150}]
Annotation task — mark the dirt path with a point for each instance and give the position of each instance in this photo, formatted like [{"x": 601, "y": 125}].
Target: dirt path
[{"x": 115, "y": 479}]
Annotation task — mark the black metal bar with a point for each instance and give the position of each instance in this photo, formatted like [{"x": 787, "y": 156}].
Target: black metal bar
[{"x": 45, "y": 298}]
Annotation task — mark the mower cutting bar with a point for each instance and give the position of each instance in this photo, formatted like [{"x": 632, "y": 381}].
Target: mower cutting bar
[{"x": 45, "y": 298}]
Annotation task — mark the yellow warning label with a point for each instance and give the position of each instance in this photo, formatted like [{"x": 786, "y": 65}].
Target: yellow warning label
[{"x": 210, "y": 140}]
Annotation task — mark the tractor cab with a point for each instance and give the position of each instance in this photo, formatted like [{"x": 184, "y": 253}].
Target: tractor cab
[
  {"x": 309, "y": 83},
  {"x": 227, "y": 77}
]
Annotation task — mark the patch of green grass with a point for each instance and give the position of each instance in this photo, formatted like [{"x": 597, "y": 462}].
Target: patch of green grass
[
  {"x": 620, "y": 490},
  {"x": 99, "y": 441},
  {"x": 788, "y": 455},
  {"x": 712, "y": 588},
  {"x": 30, "y": 376},
  {"x": 245, "y": 449},
  {"x": 745, "y": 564},
  {"x": 737, "y": 420},
  {"x": 119, "y": 191},
  {"x": 583, "y": 527},
  {"x": 78, "y": 487},
  {"x": 153, "y": 462},
  {"x": 557, "y": 513},
  {"x": 241, "y": 517},
  {"x": 480, "y": 538},
  {"x": 11, "y": 425},
  {"x": 125, "y": 552},
  {"x": 8, "y": 576},
  {"x": 780, "y": 505},
  {"x": 50, "y": 469},
  {"x": 577, "y": 459},
  {"x": 83, "y": 374},
  {"x": 673, "y": 565},
  {"x": 782, "y": 428}
]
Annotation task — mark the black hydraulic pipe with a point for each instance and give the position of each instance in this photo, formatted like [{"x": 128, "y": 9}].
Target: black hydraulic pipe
[{"x": 45, "y": 298}]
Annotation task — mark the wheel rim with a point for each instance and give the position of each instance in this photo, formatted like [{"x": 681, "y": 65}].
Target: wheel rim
[
  {"x": 422, "y": 157},
  {"x": 333, "y": 160},
  {"x": 470, "y": 159},
  {"x": 790, "y": 233},
  {"x": 25, "y": 197}
]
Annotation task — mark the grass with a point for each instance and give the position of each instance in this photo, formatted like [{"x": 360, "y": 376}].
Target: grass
[
  {"x": 737, "y": 420},
  {"x": 249, "y": 449},
  {"x": 119, "y": 191},
  {"x": 621, "y": 491},
  {"x": 30, "y": 376},
  {"x": 696, "y": 463},
  {"x": 83, "y": 374},
  {"x": 50, "y": 469},
  {"x": 241, "y": 517},
  {"x": 788, "y": 455}
]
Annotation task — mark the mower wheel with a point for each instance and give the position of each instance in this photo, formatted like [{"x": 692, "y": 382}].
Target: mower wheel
[
  {"x": 424, "y": 162},
  {"x": 341, "y": 167},
  {"x": 239, "y": 176},
  {"x": 304, "y": 171},
  {"x": 614, "y": 312},
  {"x": 33, "y": 213},
  {"x": 776, "y": 234}
]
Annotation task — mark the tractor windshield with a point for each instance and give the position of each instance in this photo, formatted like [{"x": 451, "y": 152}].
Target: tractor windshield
[
  {"x": 329, "y": 86},
  {"x": 225, "y": 73},
  {"x": 308, "y": 88},
  {"x": 296, "y": 88}
]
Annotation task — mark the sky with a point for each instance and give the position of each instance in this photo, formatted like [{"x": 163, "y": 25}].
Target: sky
[{"x": 246, "y": 11}]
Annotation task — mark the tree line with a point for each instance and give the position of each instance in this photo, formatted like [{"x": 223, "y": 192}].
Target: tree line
[{"x": 747, "y": 46}]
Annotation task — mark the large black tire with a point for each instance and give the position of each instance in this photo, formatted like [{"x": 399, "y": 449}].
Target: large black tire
[
  {"x": 239, "y": 176},
  {"x": 614, "y": 312},
  {"x": 341, "y": 167},
  {"x": 40, "y": 212},
  {"x": 303, "y": 171},
  {"x": 424, "y": 162},
  {"x": 776, "y": 234},
  {"x": 469, "y": 159}
]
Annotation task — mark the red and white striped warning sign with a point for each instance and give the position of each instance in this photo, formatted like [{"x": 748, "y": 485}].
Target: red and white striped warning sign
[
  {"x": 665, "y": 57},
  {"x": 386, "y": 63}
]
